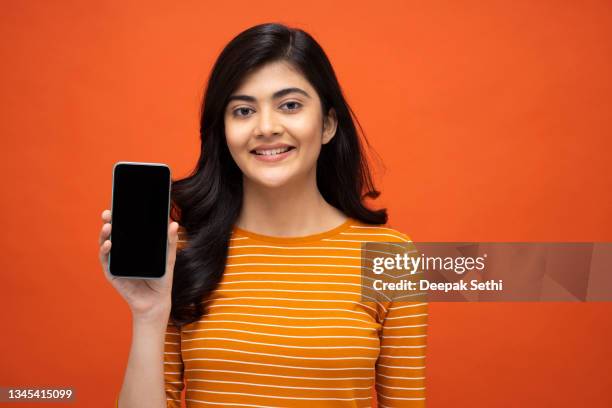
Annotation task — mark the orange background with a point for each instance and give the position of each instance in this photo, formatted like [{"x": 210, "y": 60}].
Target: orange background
[{"x": 492, "y": 119}]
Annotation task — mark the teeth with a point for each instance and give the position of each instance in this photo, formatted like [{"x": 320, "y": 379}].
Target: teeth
[{"x": 272, "y": 152}]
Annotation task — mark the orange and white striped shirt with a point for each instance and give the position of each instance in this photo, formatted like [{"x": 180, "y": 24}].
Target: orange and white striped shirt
[{"x": 287, "y": 327}]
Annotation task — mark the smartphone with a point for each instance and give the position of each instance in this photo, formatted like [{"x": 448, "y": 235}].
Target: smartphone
[{"x": 140, "y": 211}]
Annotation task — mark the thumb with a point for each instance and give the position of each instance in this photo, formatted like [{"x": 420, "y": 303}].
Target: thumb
[{"x": 172, "y": 242}]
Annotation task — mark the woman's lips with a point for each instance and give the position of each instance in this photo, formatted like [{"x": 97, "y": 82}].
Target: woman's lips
[{"x": 273, "y": 157}]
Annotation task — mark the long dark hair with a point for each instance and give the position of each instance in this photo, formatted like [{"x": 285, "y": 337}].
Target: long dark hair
[{"x": 208, "y": 201}]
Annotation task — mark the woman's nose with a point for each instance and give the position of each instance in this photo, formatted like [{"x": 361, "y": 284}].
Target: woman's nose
[{"x": 268, "y": 122}]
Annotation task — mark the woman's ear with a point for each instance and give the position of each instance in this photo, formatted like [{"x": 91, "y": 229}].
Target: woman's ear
[{"x": 330, "y": 124}]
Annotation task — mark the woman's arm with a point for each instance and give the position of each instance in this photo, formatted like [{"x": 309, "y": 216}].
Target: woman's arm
[
  {"x": 143, "y": 384},
  {"x": 150, "y": 302}
]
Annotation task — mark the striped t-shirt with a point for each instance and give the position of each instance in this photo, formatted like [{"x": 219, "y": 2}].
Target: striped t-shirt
[{"x": 287, "y": 327}]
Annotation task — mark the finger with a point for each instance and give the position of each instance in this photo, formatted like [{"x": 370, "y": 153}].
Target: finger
[
  {"x": 103, "y": 255},
  {"x": 172, "y": 240},
  {"x": 106, "y": 215},
  {"x": 104, "y": 233}
]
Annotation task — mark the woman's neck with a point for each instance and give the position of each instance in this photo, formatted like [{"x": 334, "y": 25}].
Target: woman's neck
[{"x": 297, "y": 209}]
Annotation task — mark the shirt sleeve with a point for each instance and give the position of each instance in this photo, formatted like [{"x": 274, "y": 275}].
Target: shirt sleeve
[
  {"x": 400, "y": 368},
  {"x": 173, "y": 366}
]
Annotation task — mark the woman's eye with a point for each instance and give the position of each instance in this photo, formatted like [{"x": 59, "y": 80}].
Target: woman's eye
[
  {"x": 242, "y": 111},
  {"x": 291, "y": 106}
]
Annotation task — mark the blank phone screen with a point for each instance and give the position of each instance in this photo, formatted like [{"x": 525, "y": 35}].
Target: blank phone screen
[{"x": 139, "y": 232}]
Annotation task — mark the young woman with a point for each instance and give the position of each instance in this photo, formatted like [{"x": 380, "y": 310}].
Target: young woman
[{"x": 261, "y": 306}]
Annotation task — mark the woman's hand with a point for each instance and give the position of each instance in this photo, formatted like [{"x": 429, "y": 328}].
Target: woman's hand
[{"x": 148, "y": 299}]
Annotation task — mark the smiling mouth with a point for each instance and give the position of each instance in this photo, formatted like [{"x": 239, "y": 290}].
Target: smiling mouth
[{"x": 272, "y": 152}]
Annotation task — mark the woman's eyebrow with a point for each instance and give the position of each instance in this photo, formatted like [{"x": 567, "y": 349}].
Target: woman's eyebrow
[
  {"x": 276, "y": 95},
  {"x": 283, "y": 92}
]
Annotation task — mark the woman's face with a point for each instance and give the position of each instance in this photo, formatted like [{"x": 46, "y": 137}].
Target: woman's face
[{"x": 274, "y": 126}]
